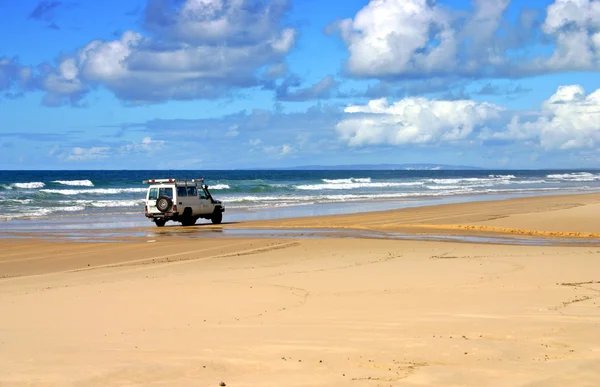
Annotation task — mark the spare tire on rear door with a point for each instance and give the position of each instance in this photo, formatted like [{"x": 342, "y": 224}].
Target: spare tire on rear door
[{"x": 164, "y": 203}]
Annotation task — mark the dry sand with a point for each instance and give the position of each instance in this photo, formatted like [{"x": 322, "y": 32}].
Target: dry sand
[{"x": 184, "y": 311}]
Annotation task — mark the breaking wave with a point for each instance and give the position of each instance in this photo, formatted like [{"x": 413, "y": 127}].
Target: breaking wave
[
  {"x": 95, "y": 191},
  {"x": 78, "y": 183},
  {"x": 32, "y": 185},
  {"x": 353, "y": 185},
  {"x": 219, "y": 186},
  {"x": 576, "y": 176}
]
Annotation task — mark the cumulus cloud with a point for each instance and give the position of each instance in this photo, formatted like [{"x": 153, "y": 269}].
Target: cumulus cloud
[
  {"x": 413, "y": 121},
  {"x": 575, "y": 26},
  {"x": 196, "y": 49},
  {"x": 569, "y": 119},
  {"x": 385, "y": 35},
  {"x": 413, "y": 38}
]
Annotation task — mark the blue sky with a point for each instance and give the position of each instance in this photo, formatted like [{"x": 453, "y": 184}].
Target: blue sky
[{"x": 222, "y": 84}]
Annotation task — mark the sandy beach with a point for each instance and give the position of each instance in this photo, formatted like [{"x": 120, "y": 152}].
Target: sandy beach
[{"x": 173, "y": 308}]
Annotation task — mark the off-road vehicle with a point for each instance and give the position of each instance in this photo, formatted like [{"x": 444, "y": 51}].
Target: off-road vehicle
[{"x": 183, "y": 201}]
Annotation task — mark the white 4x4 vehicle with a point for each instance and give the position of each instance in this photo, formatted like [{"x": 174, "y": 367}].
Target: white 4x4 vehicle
[{"x": 182, "y": 201}]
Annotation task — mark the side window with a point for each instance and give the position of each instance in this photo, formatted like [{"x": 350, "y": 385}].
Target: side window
[
  {"x": 181, "y": 192},
  {"x": 191, "y": 191},
  {"x": 153, "y": 195},
  {"x": 166, "y": 192}
]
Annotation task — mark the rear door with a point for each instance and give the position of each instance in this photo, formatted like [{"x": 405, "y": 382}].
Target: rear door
[
  {"x": 154, "y": 193},
  {"x": 151, "y": 196}
]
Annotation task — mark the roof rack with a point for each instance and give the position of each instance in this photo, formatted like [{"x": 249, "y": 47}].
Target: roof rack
[{"x": 154, "y": 181}]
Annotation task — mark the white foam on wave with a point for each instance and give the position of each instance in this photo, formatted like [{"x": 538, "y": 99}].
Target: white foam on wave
[
  {"x": 105, "y": 203},
  {"x": 15, "y": 201},
  {"x": 502, "y": 177},
  {"x": 495, "y": 179},
  {"x": 448, "y": 187},
  {"x": 332, "y": 197},
  {"x": 96, "y": 191},
  {"x": 38, "y": 212},
  {"x": 258, "y": 201},
  {"x": 575, "y": 176},
  {"x": 67, "y": 209},
  {"x": 529, "y": 182},
  {"x": 79, "y": 183},
  {"x": 32, "y": 185},
  {"x": 341, "y": 186},
  {"x": 219, "y": 186},
  {"x": 347, "y": 181}
]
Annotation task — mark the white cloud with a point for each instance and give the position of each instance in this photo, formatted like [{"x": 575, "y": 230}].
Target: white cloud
[
  {"x": 200, "y": 49},
  {"x": 388, "y": 37},
  {"x": 413, "y": 38},
  {"x": 278, "y": 150},
  {"x": 232, "y": 131},
  {"x": 147, "y": 145},
  {"x": 569, "y": 119},
  {"x": 82, "y": 154},
  {"x": 285, "y": 149},
  {"x": 413, "y": 121},
  {"x": 573, "y": 23}
]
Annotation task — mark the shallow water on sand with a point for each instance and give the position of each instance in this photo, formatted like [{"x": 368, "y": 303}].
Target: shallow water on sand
[
  {"x": 122, "y": 222},
  {"x": 211, "y": 231}
]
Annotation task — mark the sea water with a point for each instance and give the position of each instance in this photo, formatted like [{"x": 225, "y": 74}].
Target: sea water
[{"x": 36, "y": 200}]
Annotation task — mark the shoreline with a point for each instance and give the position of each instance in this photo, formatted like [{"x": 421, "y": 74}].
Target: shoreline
[
  {"x": 504, "y": 217},
  {"x": 508, "y": 216}
]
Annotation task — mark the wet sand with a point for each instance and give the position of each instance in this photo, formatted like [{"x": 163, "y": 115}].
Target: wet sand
[{"x": 170, "y": 308}]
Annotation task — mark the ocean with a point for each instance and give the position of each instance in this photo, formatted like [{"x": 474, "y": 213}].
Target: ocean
[{"x": 110, "y": 199}]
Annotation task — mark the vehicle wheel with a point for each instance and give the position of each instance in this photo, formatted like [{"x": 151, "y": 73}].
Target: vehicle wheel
[
  {"x": 188, "y": 221},
  {"x": 217, "y": 217},
  {"x": 160, "y": 222},
  {"x": 164, "y": 203}
]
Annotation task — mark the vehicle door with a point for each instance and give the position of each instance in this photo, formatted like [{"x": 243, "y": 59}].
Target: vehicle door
[
  {"x": 154, "y": 193},
  {"x": 191, "y": 199},
  {"x": 205, "y": 202},
  {"x": 151, "y": 197}
]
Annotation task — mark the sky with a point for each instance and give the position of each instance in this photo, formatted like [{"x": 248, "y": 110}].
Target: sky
[{"x": 237, "y": 84}]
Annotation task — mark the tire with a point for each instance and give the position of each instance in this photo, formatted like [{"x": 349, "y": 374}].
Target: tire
[
  {"x": 189, "y": 221},
  {"x": 160, "y": 222},
  {"x": 217, "y": 217},
  {"x": 164, "y": 203},
  {"x": 186, "y": 218}
]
